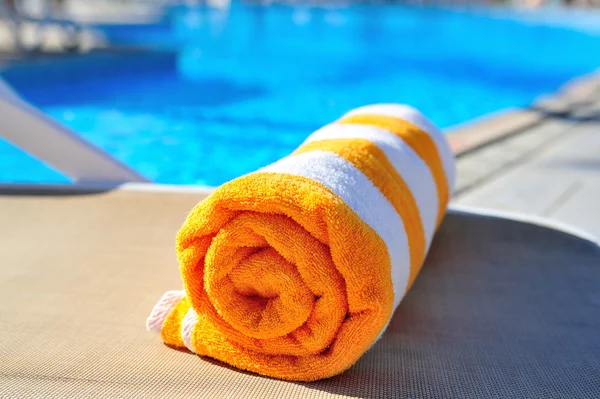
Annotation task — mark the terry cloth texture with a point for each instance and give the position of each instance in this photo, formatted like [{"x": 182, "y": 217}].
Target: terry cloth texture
[{"x": 294, "y": 271}]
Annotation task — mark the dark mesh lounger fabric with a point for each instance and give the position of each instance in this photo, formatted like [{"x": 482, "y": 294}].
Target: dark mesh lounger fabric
[{"x": 502, "y": 309}]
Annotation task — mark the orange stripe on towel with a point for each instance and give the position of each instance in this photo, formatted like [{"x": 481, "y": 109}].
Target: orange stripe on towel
[
  {"x": 171, "y": 330},
  {"x": 419, "y": 141},
  {"x": 371, "y": 160}
]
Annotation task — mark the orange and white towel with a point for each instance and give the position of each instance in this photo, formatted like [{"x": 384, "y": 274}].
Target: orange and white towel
[{"x": 295, "y": 270}]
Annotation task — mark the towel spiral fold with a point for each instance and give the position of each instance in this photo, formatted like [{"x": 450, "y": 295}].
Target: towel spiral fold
[{"x": 295, "y": 270}]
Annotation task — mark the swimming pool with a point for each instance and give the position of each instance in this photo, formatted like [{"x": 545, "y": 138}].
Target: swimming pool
[{"x": 227, "y": 92}]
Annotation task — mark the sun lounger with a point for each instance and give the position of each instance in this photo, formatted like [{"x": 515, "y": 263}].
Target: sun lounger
[{"x": 502, "y": 308}]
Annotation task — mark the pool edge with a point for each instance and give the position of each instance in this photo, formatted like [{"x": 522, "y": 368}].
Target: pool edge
[{"x": 499, "y": 125}]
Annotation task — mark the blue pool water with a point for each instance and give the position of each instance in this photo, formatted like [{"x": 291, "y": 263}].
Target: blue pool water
[{"x": 224, "y": 93}]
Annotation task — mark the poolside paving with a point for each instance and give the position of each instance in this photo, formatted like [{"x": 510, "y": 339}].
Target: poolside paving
[{"x": 549, "y": 169}]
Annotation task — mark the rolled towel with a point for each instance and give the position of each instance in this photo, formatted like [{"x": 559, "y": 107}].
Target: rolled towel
[{"x": 295, "y": 270}]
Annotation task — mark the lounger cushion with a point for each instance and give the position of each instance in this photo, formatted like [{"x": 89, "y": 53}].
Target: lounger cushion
[{"x": 502, "y": 308}]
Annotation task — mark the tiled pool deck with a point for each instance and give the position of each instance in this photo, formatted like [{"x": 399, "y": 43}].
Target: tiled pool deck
[{"x": 542, "y": 161}]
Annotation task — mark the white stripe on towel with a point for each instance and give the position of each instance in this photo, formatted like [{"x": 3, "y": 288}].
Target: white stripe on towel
[
  {"x": 187, "y": 327},
  {"x": 413, "y": 170}
]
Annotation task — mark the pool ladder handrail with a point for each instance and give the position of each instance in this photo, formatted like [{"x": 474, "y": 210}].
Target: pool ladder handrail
[{"x": 29, "y": 129}]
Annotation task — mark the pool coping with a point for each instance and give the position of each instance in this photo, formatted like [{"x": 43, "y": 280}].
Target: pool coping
[
  {"x": 492, "y": 128},
  {"x": 464, "y": 139}
]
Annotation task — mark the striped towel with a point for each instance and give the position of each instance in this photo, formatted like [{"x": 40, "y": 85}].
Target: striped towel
[{"x": 295, "y": 270}]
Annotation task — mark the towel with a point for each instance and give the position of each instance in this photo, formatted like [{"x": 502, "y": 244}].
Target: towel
[{"x": 295, "y": 270}]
